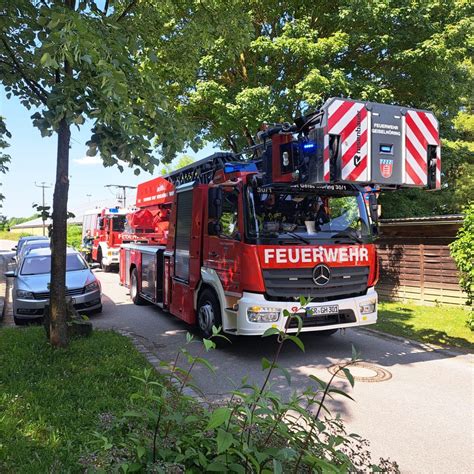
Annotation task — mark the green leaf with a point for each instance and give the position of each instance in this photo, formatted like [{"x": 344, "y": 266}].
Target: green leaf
[
  {"x": 340, "y": 392},
  {"x": 45, "y": 59},
  {"x": 218, "y": 417},
  {"x": 319, "y": 381},
  {"x": 224, "y": 440},
  {"x": 266, "y": 364},
  {"x": 206, "y": 363},
  {"x": 349, "y": 376},
  {"x": 277, "y": 467},
  {"x": 140, "y": 451},
  {"x": 271, "y": 332},
  {"x": 208, "y": 344},
  {"x": 303, "y": 301},
  {"x": 355, "y": 353},
  {"x": 297, "y": 341},
  {"x": 286, "y": 373}
]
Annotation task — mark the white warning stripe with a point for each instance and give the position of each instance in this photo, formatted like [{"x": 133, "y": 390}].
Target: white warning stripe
[
  {"x": 408, "y": 179},
  {"x": 350, "y": 140},
  {"x": 421, "y": 126},
  {"x": 433, "y": 120},
  {"x": 345, "y": 119},
  {"x": 326, "y": 161},
  {"x": 349, "y": 168},
  {"x": 416, "y": 167},
  {"x": 414, "y": 140}
]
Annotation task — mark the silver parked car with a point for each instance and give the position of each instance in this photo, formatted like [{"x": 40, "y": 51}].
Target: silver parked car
[
  {"x": 32, "y": 279},
  {"x": 30, "y": 245},
  {"x": 23, "y": 240}
]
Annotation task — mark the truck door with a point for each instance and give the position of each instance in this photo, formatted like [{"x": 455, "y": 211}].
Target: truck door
[{"x": 223, "y": 249}]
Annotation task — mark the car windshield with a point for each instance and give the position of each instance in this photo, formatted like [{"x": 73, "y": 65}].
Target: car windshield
[
  {"x": 280, "y": 217},
  {"x": 34, "y": 245},
  {"x": 39, "y": 265}
]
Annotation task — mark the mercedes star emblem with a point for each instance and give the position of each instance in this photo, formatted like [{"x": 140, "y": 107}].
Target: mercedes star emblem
[{"x": 321, "y": 275}]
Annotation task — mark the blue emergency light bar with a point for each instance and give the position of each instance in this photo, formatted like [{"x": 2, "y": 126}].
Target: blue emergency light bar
[
  {"x": 309, "y": 146},
  {"x": 242, "y": 167}
]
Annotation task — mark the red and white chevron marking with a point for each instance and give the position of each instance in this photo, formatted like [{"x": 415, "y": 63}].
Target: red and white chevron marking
[
  {"x": 349, "y": 120},
  {"x": 421, "y": 131}
]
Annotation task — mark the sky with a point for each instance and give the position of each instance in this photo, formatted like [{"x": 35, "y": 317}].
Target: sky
[{"x": 33, "y": 160}]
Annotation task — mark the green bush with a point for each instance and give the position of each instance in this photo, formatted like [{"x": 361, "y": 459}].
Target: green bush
[
  {"x": 462, "y": 250},
  {"x": 74, "y": 235},
  {"x": 255, "y": 431}
]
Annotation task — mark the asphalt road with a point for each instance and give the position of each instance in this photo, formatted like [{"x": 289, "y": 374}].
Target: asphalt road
[{"x": 421, "y": 417}]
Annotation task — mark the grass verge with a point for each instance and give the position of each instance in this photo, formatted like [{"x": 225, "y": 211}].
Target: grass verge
[
  {"x": 13, "y": 236},
  {"x": 51, "y": 400},
  {"x": 443, "y": 325}
]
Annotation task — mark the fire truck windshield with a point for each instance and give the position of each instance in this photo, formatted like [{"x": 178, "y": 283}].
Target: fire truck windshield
[
  {"x": 282, "y": 217},
  {"x": 118, "y": 223}
]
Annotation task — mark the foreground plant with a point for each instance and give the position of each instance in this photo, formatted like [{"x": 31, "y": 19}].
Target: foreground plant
[{"x": 254, "y": 430}]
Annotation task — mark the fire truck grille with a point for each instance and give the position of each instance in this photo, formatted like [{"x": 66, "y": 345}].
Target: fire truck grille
[
  {"x": 71, "y": 292},
  {"x": 344, "y": 282}
]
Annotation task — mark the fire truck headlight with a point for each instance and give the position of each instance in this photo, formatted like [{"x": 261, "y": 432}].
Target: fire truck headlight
[
  {"x": 256, "y": 314},
  {"x": 368, "y": 307}
]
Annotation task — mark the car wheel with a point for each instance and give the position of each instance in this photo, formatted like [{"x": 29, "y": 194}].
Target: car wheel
[
  {"x": 134, "y": 293},
  {"x": 327, "y": 332},
  {"x": 208, "y": 313},
  {"x": 100, "y": 258},
  {"x": 20, "y": 321}
]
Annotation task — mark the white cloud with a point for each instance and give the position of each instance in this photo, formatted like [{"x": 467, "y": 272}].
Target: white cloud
[{"x": 88, "y": 160}]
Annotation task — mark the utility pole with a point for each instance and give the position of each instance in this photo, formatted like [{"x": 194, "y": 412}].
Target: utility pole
[
  {"x": 44, "y": 186},
  {"x": 124, "y": 190}
]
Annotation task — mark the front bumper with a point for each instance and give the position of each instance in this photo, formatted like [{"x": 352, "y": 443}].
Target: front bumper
[
  {"x": 32, "y": 309},
  {"x": 111, "y": 257},
  {"x": 349, "y": 309}
]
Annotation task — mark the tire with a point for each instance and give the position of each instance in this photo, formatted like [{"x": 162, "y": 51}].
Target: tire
[
  {"x": 97, "y": 311},
  {"x": 105, "y": 268},
  {"x": 21, "y": 321},
  {"x": 327, "y": 332},
  {"x": 134, "y": 293},
  {"x": 208, "y": 313}
]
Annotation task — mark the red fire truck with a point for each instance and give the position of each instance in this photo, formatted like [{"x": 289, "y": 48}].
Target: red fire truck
[
  {"x": 106, "y": 226},
  {"x": 233, "y": 240}
]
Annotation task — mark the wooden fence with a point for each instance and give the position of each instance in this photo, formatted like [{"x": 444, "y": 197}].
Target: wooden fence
[{"x": 415, "y": 262}]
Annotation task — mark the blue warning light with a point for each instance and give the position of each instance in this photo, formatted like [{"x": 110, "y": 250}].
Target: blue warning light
[{"x": 309, "y": 146}]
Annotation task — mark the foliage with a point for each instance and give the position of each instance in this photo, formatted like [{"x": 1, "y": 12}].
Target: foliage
[
  {"x": 256, "y": 430},
  {"x": 4, "y": 158},
  {"x": 176, "y": 164},
  {"x": 13, "y": 236},
  {"x": 6, "y": 224},
  {"x": 441, "y": 325},
  {"x": 462, "y": 251},
  {"x": 74, "y": 236},
  {"x": 41, "y": 388}
]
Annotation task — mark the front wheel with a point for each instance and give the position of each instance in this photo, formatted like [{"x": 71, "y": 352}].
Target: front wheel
[
  {"x": 100, "y": 258},
  {"x": 208, "y": 313},
  {"x": 134, "y": 293}
]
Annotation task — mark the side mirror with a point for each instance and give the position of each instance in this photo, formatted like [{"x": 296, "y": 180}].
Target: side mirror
[
  {"x": 10, "y": 274},
  {"x": 215, "y": 203},
  {"x": 373, "y": 208},
  {"x": 214, "y": 228}
]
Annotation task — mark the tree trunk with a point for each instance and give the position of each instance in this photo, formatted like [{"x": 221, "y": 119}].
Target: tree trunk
[{"x": 58, "y": 326}]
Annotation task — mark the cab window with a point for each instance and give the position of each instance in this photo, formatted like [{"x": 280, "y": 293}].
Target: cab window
[{"x": 230, "y": 216}]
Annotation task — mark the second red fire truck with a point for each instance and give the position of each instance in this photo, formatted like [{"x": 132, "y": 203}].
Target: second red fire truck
[{"x": 233, "y": 242}]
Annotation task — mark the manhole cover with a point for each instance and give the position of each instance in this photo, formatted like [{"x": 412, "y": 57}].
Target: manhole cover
[{"x": 363, "y": 372}]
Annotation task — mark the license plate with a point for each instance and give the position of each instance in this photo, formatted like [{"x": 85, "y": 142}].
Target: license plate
[{"x": 320, "y": 310}]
